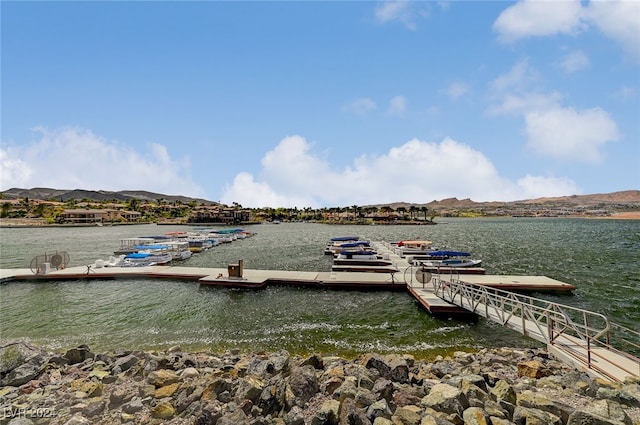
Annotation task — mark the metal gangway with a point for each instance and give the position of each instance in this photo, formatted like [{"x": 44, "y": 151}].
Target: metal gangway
[{"x": 582, "y": 338}]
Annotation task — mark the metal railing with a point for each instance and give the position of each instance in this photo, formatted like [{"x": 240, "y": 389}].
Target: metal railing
[{"x": 585, "y": 336}]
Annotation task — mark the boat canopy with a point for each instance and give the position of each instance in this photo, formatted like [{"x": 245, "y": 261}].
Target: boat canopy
[
  {"x": 138, "y": 255},
  {"x": 357, "y": 253},
  {"x": 344, "y": 238},
  {"x": 151, "y": 247},
  {"x": 413, "y": 243},
  {"x": 449, "y": 253},
  {"x": 354, "y": 244}
]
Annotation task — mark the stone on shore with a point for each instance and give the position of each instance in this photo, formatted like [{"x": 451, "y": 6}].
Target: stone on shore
[{"x": 490, "y": 387}]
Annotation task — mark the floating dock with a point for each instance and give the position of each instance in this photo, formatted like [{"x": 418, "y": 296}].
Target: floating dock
[{"x": 235, "y": 276}]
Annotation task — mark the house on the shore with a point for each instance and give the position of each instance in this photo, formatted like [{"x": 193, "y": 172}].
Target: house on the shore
[
  {"x": 89, "y": 216},
  {"x": 218, "y": 214}
]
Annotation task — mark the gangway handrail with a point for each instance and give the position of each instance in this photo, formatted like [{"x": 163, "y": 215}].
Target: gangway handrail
[{"x": 575, "y": 331}]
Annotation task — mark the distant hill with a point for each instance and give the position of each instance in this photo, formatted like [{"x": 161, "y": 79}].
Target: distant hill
[
  {"x": 627, "y": 198},
  {"x": 96, "y": 195}
]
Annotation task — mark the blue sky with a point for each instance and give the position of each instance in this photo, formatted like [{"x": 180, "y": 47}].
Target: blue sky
[{"x": 314, "y": 104}]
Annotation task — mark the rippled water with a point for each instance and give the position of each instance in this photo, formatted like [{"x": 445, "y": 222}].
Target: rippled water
[{"x": 600, "y": 257}]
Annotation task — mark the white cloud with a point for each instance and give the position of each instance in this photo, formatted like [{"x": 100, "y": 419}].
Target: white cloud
[
  {"x": 538, "y": 186},
  {"x": 567, "y": 134},
  {"x": 552, "y": 130},
  {"x": 416, "y": 171},
  {"x": 403, "y": 11},
  {"x": 75, "y": 158},
  {"x": 14, "y": 172},
  {"x": 616, "y": 19},
  {"x": 520, "y": 75},
  {"x": 512, "y": 92},
  {"x": 456, "y": 89},
  {"x": 625, "y": 93},
  {"x": 619, "y": 20},
  {"x": 397, "y": 106},
  {"x": 360, "y": 106},
  {"x": 574, "y": 61},
  {"x": 529, "y": 18}
]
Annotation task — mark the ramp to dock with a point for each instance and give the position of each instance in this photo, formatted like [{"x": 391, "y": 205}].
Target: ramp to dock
[{"x": 580, "y": 337}]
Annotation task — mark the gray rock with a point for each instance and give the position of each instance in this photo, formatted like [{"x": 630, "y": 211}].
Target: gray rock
[
  {"x": 407, "y": 415},
  {"x": 94, "y": 409},
  {"x": 21, "y": 363},
  {"x": 315, "y": 361},
  {"x": 327, "y": 414},
  {"x": 78, "y": 355},
  {"x": 540, "y": 402},
  {"x": 445, "y": 368},
  {"x": 348, "y": 389},
  {"x": 350, "y": 414},
  {"x": 124, "y": 363},
  {"x": 295, "y": 416},
  {"x": 379, "y": 409},
  {"x": 383, "y": 388},
  {"x": 529, "y": 416},
  {"x": 272, "y": 398},
  {"x": 78, "y": 419},
  {"x": 502, "y": 391},
  {"x": 118, "y": 397},
  {"x": 393, "y": 366},
  {"x": 209, "y": 415},
  {"x": 133, "y": 406},
  {"x": 364, "y": 377},
  {"x": 250, "y": 387},
  {"x": 475, "y": 416},
  {"x": 600, "y": 412},
  {"x": 237, "y": 417},
  {"x": 303, "y": 385},
  {"x": 445, "y": 398},
  {"x": 364, "y": 398}
]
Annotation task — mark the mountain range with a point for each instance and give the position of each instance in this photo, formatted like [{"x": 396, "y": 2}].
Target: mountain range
[
  {"x": 63, "y": 195},
  {"x": 627, "y": 198}
]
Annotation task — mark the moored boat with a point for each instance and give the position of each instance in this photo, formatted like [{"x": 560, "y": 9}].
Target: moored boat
[
  {"x": 412, "y": 247},
  {"x": 128, "y": 245},
  {"x": 179, "y": 249},
  {"x": 451, "y": 262},
  {"x": 360, "y": 258},
  {"x": 343, "y": 243}
]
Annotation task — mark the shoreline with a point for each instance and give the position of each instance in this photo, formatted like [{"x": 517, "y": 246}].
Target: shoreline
[
  {"x": 21, "y": 222},
  {"x": 499, "y": 386}
]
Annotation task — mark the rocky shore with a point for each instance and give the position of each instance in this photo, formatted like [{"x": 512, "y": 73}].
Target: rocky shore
[{"x": 492, "y": 386}]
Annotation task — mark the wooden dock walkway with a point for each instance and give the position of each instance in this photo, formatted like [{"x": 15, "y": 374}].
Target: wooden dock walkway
[{"x": 578, "y": 337}]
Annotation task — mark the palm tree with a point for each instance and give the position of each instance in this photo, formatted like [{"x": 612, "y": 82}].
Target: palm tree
[
  {"x": 412, "y": 211},
  {"x": 402, "y": 211},
  {"x": 424, "y": 211},
  {"x": 355, "y": 211}
]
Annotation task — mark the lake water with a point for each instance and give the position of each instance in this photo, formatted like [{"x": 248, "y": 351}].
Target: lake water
[{"x": 600, "y": 257}]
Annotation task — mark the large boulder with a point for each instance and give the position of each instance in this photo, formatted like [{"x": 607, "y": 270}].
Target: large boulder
[
  {"x": 445, "y": 398},
  {"x": 20, "y": 363},
  {"x": 302, "y": 384},
  {"x": 600, "y": 412}
]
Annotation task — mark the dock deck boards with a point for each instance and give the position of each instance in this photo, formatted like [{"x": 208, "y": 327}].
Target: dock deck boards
[{"x": 516, "y": 283}]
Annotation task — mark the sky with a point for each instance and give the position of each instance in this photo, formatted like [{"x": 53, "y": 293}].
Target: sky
[{"x": 322, "y": 104}]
